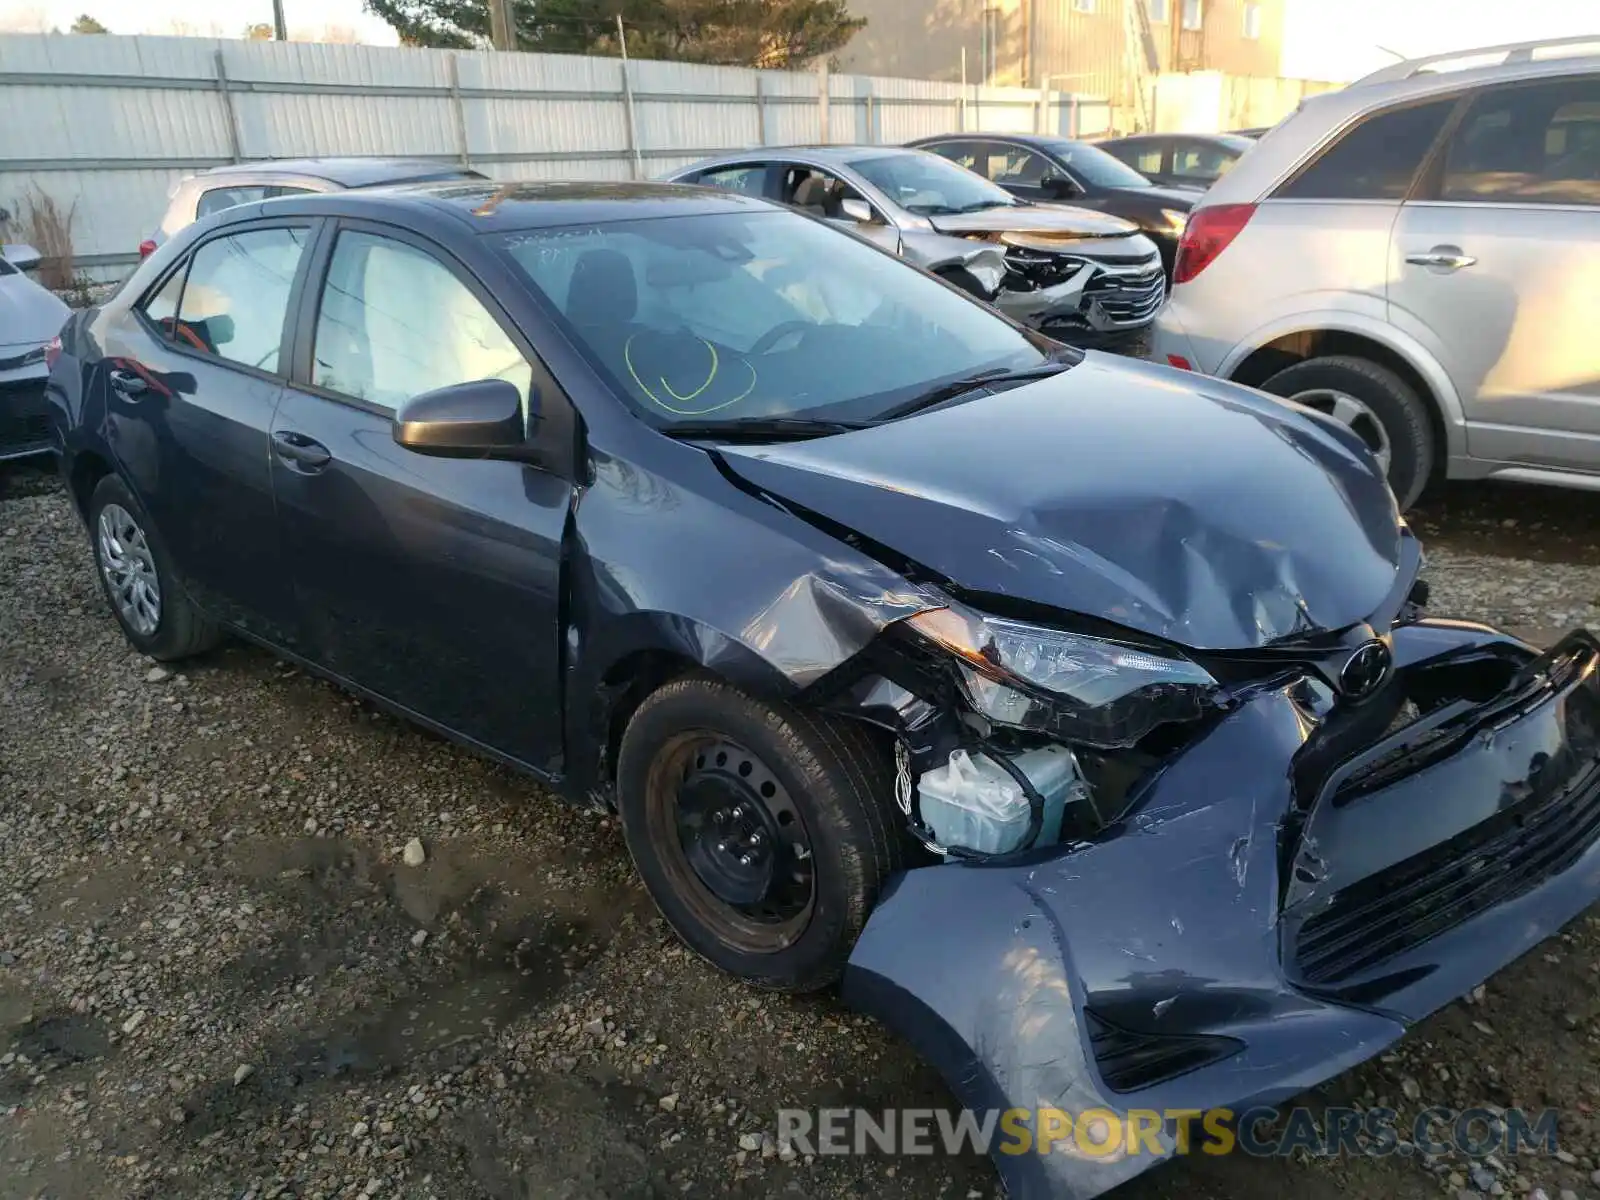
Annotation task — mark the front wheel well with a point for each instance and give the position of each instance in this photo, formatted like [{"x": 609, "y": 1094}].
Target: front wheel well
[
  {"x": 626, "y": 685},
  {"x": 88, "y": 469},
  {"x": 1284, "y": 352}
]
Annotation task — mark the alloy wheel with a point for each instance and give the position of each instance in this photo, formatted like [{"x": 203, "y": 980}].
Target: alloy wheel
[
  {"x": 129, "y": 568},
  {"x": 1356, "y": 416}
]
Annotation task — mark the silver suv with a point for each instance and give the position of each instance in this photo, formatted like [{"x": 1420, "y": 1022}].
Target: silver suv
[
  {"x": 195, "y": 197},
  {"x": 1418, "y": 256}
]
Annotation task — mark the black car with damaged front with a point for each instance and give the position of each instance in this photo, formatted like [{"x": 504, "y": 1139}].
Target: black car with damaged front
[{"x": 1083, "y": 717}]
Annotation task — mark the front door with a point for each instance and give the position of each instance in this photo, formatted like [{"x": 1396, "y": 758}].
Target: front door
[
  {"x": 192, "y": 376},
  {"x": 433, "y": 582},
  {"x": 1495, "y": 268}
]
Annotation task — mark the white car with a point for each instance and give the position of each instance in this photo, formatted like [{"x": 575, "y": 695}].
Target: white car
[
  {"x": 30, "y": 318},
  {"x": 1418, "y": 256}
]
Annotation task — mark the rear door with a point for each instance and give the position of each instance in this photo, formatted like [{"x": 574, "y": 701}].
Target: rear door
[
  {"x": 192, "y": 376},
  {"x": 1321, "y": 241},
  {"x": 433, "y": 582},
  {"x": 1495, "y": 267}
]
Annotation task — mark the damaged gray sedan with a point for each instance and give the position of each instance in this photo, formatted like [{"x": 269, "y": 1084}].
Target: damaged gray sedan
[
  {"x": 1081, "y": 718},
  {"x": 1080, "y": 276}
]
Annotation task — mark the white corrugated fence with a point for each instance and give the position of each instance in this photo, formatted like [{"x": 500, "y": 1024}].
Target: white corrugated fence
[{"x": 106, "y": 125}]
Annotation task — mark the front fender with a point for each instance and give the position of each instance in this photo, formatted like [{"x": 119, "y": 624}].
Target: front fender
[{"x": 676, "y": 558}]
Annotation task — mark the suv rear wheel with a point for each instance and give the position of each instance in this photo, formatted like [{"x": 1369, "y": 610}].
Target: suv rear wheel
[{"x": 1381, "y": 408}]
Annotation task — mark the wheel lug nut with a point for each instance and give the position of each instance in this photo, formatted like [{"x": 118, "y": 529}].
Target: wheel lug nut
[
  {"x": 744, "y": 860},
  {"x": 738, "y": 811},
  {"x": 722, "y": 847},
  {"x": 755, "y": 839}
]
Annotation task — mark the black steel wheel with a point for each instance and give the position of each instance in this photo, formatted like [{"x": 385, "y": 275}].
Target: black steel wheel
[
  {"x": 736, "y": 833},
  {"x": 762, "y": 831}
]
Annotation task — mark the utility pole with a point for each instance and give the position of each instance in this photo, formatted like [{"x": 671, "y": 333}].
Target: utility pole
[
  {"x": 501, "y": 31},
  {"x": 280, "y": 29}
]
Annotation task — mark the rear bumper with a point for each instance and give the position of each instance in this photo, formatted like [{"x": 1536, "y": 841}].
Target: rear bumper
[{"x": 1181, "y": 961}]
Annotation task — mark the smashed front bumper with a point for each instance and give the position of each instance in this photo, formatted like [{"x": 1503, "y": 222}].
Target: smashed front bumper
[
  {"x": 1095, "y": 299},
  {"x": 1281, "y": 901}
]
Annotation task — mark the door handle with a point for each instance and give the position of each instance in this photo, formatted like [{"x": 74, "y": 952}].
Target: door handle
[
  {"x": 129, "y": 383},
  {"x": 1442, "y": 258},
  {"x": 300, "y": 450}
]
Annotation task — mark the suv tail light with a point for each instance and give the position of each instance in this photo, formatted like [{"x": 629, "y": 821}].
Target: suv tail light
[
  {"x": 1207, "y": 235},
  {"x": 52, "y": 351},
  {"x": 147, "y": 248}
]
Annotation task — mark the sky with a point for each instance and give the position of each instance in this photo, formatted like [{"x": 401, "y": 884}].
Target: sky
[
  {"x": 1341, "y": 39},
  {"x": 198, "y": 17},
  {"x": 1323, "y": 39}
]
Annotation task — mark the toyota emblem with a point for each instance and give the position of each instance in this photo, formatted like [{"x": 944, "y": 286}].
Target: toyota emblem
[{"x": 1365, "y": 670}]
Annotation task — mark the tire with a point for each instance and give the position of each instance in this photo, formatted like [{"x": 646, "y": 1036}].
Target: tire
[
  {"x": 179, "y": 629},
  {"x": 1389, "y": 399},
  {"x": 829, "y": 787}
]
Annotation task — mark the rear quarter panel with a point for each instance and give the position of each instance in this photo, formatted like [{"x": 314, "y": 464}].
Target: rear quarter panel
[{"x": 1293, "y": 257}]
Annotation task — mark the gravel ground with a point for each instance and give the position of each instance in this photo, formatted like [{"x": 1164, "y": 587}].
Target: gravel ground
[{"x": 224, "y": 973}]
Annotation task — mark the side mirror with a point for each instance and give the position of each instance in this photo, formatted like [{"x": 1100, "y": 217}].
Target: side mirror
[
  {"x": 1057, "y": 184},
  {"x": 481, "y": 419},
  {"x": 858, "y": 211},
  {"x": 217, "y": 330},
  {"x": 23, "y": 258}
]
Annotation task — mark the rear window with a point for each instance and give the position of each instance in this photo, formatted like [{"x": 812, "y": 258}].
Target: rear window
[{"x": 1377, "y": 160}]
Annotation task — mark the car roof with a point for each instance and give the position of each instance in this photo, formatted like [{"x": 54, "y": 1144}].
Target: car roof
[
  {"x": 1320, "y": 119},
  {"x": 975, "y": 135},
  {"x": 1233, "y": 140},
  {"x": 348, "y": 172},
  {"x": 488, "y": 207}
]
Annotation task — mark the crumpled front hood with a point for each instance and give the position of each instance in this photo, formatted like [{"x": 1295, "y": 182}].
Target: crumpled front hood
[
  {"x": 1191, "y": 509},
  {"x": 29, "y": 315},
  {"x": 1036, "y": 218}
]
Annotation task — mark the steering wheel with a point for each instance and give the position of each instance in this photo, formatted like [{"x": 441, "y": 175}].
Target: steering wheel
[{"x": 778, "y": 332}]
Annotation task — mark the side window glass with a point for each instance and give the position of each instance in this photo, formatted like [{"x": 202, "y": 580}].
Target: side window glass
[
  {"x": 394, "y": 322},
  {"x": 282, "y": 189},
  {"x": 1197, "y": 161},
  {"x": 963, "y": 154},
  {"x": 817, "y": 193},
  {"x": 218, "y": 199},
  {"x": 1146, "y": 160},
  {"x": 1009, "y": 165},
  {"x": 161, "y": 306},
  {"x": 1376, "y": 160},
  {"x": 238, "y": 294},
  {"x": 1528, "y": 145},
  {"x": 747, "y": 180}
]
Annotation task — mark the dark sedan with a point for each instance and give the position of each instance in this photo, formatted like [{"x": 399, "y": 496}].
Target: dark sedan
[
  {"x": 1081, "y": 714},
  {"x": 1076, "y": 173},
  {"x": 1181, "y": 160}
]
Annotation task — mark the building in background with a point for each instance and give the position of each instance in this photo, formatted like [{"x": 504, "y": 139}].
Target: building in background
[{"x": 1106, "y": 48}]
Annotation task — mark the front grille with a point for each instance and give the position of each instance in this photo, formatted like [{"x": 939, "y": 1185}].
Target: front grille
[
  {"x": 1431, "y": 893},
  {"x": 1128, "y": 299},
  {"x": 1130, "y": 1060},
  {"x": 23, "y": 423}
]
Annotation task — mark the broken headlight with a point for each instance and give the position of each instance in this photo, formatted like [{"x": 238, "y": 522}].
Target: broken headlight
[{"x": 1068, "y": 685}]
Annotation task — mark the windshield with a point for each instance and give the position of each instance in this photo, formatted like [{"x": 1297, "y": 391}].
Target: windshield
[
  {"x": 929, "y": 185},
  {"x": 1095, "y": 166},
  {"x": 735, "y": 316}
]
